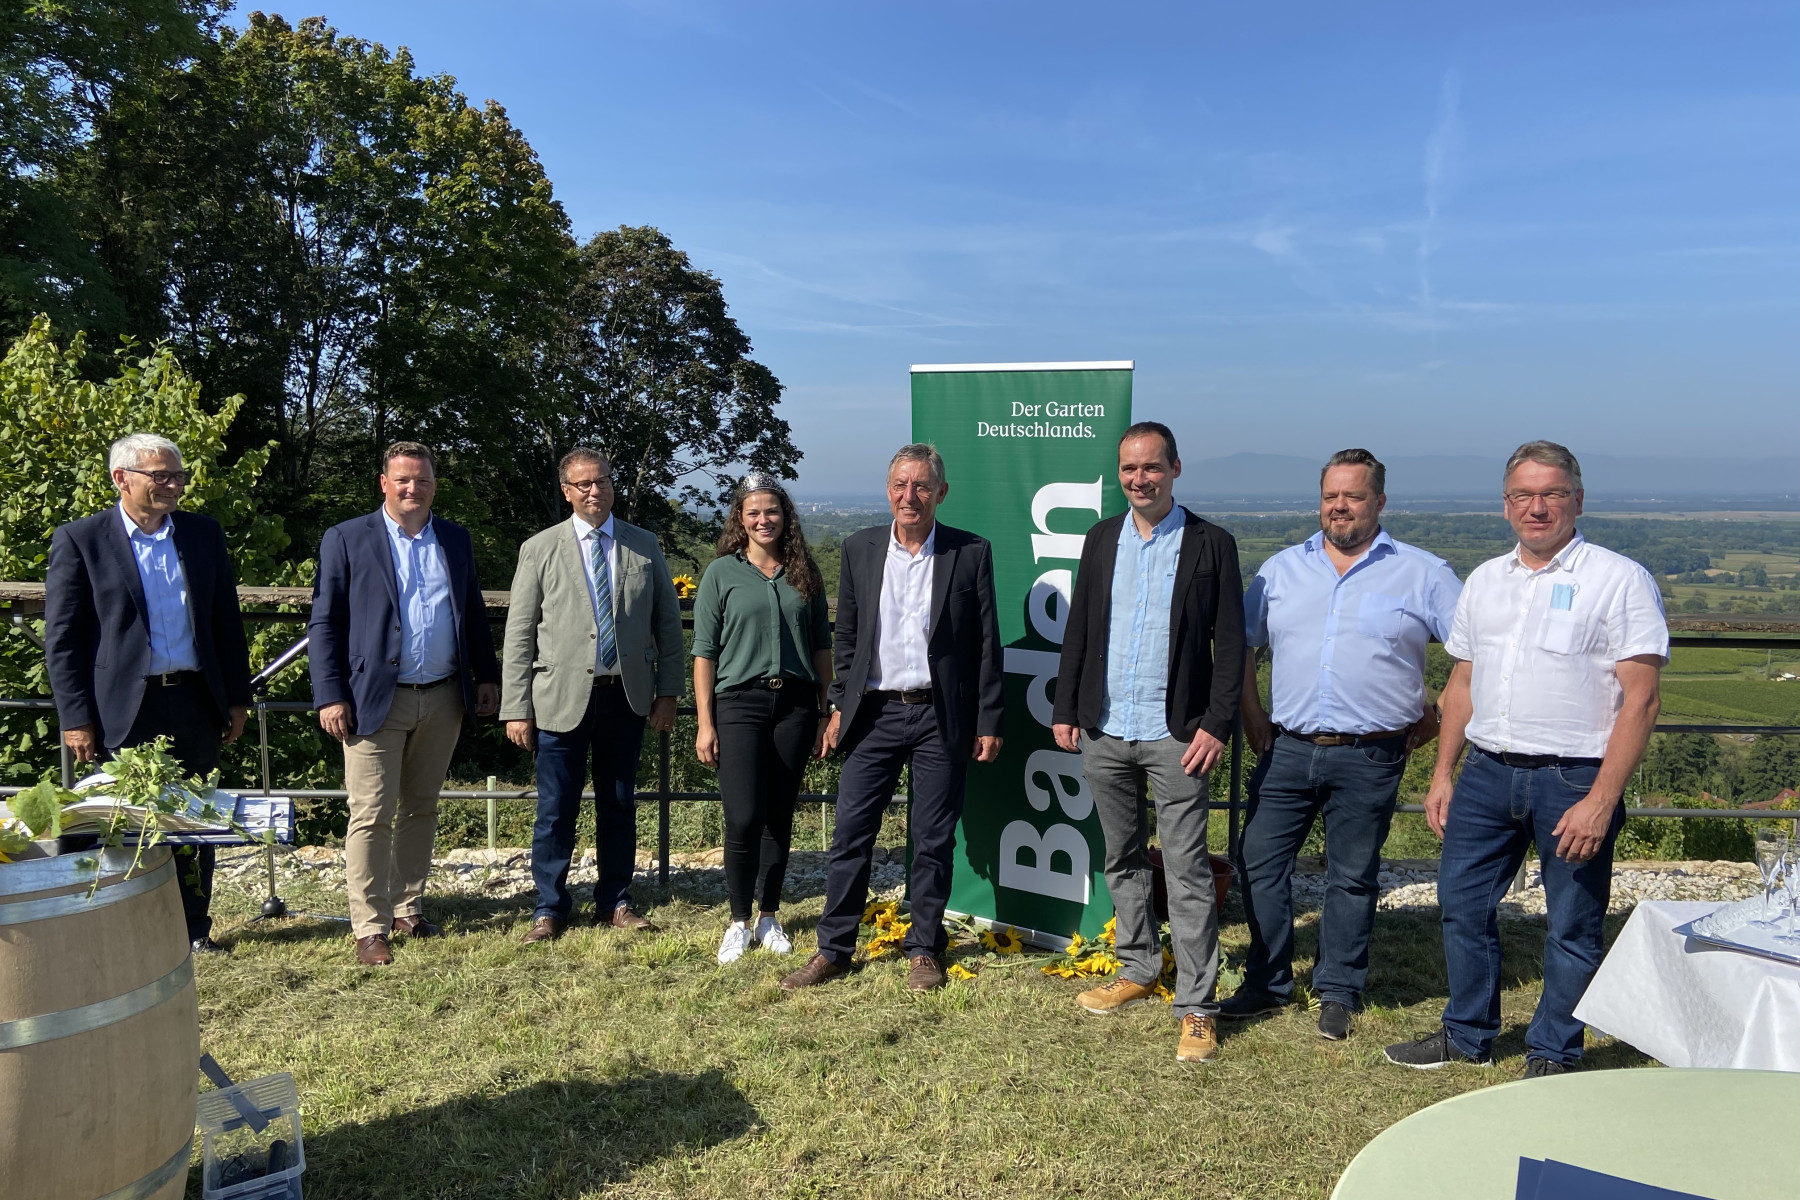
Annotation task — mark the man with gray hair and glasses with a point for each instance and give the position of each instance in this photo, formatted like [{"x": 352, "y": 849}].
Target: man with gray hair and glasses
[
  {"x": 1559, "y": 645},
  {"x": 143, "y": 638}
]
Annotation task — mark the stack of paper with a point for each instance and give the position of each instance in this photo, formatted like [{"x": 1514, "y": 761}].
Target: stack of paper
[{"x": 1547, "y": 1179}]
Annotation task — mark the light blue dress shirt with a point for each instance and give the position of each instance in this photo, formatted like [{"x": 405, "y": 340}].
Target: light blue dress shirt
[
  {"x": 165, "y": 596},
  {"x": 1349, "y": 650},
  {"x": 1137, "y": 637},
  {"x": 427, "y": 624}
]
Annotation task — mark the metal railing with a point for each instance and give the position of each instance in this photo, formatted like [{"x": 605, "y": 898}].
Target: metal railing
[{"x": 664, "y": 796}]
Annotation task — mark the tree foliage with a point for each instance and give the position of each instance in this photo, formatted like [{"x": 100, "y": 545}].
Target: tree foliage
[{"x": 651, "y": 367}]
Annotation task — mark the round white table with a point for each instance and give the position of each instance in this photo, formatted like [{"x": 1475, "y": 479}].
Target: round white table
[{"x": 1729, "y": 1135}]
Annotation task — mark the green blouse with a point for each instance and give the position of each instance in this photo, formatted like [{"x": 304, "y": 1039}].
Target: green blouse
[{"x": 755, "y": 627}]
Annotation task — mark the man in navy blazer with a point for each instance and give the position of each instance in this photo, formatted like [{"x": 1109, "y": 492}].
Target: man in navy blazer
[
  {"x": 399, "y": 650},
  {"x": 143, "y": 638}
]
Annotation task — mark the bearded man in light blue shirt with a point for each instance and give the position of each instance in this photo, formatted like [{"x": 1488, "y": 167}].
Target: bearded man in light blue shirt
[{"x": 1347, "y": 615}]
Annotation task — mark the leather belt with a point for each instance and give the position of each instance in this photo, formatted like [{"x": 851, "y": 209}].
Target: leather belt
[
  {"x": 1534, "y": 762},
  {"x": 426, "y": 687},
  {"x": 1345, "y": 739},
  {"x": 906, "y": 695},
  {"x": 773, "y": 683},
  {"x": 172, "y": 678},
  {"x": 607, "y": 680}
]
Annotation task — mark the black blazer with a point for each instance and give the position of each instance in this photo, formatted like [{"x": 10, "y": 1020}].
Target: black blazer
[
  {"x": 354, "y": 647},
  {"x": 96, "y": 625},
  {"x": 963, "y": 650},
  {"x": 1206, "y": 632}
]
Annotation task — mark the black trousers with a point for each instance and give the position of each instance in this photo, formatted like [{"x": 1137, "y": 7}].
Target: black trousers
[
  {"x": 887, "y": 735},
  {"x": 764, "y": 740},
  {"x": 185, "y": 714}
]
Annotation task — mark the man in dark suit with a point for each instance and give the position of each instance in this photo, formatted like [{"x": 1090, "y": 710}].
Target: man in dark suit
[
  {"x": 400, "y": 650},
  {"x": 1152, "y": 668},
  {"x": 143, "y": 638},
  {"x": 918, "y": 680}
]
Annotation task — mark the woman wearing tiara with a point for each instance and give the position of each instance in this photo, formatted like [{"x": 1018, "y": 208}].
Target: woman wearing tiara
[{"x": 762, "y": 660}]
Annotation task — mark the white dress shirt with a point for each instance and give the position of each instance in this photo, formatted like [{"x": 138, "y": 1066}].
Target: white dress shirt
[
  {"x": 1544, "y": 645},
  {"x": 905, "y": 618},
  {"x": 584, "y": 538}
]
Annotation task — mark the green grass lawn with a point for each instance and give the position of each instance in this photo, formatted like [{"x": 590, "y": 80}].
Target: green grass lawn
[{"x": 609, "y": 1064}]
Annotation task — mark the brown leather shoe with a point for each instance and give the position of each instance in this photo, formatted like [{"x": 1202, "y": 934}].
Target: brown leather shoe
[
  {"x": 925, "y": 974},
  {"x": 623, "y": 917},
  {"x": 1199, "y": 1039},
  {"x": 545, "y": 929},
  {"x": 818, "y": 969},
  {"x": 1114, "y": 996},
  {"x": 417, "y": 926},
  {"x": 372, "y": 951}
]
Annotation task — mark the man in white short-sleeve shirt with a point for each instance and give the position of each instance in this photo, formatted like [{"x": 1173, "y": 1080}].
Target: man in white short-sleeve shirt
[{"x": 1559, "y": 646}]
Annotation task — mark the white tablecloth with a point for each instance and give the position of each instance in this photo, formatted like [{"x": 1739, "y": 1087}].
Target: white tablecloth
[{"x": 1688, "y": 1004}]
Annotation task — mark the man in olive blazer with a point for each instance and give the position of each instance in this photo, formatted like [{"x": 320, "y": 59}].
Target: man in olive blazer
[{"x": 593, "y": 650}]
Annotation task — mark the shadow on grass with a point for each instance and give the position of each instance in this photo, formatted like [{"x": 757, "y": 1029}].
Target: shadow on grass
[
  {"x": 1406, "y": 955},
  {"x": 547, "y": 1141}
]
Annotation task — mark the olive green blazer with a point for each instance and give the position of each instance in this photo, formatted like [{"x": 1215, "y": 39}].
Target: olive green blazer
[{"x": 547, "y": 673}]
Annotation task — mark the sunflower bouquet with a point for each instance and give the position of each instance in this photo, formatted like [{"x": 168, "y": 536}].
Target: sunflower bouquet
[
  {"x": 1085, "y": 959},
  {"x": 971, "y": 946}
]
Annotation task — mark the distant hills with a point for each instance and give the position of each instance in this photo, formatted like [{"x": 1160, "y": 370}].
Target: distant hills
[{"x": 1453, "y": 476}]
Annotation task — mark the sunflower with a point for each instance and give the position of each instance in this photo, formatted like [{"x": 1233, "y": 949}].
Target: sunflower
[
  {"x": 887, "y": 941},
  {"x": 1073, "y": 949},
  {"x": 1108, "y": 932},
  {"x": 958, "y": 971},
  {"x": 880, "y": 913},
  {"x": 684, "y": 586},
  {"x": 1003, "y": 941}
]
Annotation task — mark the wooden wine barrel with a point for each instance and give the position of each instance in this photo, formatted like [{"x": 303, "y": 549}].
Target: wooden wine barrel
[{"x": 99, "y": 1030}]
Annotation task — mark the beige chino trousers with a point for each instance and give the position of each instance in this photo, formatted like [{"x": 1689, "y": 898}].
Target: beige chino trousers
[{"x": 393, "y": 776}]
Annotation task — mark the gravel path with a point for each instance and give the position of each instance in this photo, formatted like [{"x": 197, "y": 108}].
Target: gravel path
[{"x": 1406, "y": 885}]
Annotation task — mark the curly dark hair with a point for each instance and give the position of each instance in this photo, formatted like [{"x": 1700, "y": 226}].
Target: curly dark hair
[{"x": 802, "y": 573}]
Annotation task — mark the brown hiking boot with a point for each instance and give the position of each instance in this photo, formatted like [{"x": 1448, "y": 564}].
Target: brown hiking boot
[
  {"x": 1199, "y": 1039},
  {"x": 1111, "y": 997},
  {"x": 372, "y": 951},
  {"x": 624, "y": 917},
  {"x": 925, "y": 974},
  {"x": 545, "y": 929},
  {"x": 818, "y": 969}
]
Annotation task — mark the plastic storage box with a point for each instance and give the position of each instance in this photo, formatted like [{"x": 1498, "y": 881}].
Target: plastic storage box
[{"x": 242, "y": 1162}]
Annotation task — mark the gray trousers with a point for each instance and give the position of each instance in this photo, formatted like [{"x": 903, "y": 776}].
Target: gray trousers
[{"x": 1117, "y": 772}]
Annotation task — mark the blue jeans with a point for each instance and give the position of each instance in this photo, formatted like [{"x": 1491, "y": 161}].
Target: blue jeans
[
  {"x": 1496, "y": 812},
  {"x": 613, "y": 735},
  {"x": 1295, "y": 783}
]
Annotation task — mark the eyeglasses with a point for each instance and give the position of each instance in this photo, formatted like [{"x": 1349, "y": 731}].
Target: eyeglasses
[
  {"x": 1555, "y": 496},
  {"x": 589, "y": 485},
  {"x": 163, "y": 478}
]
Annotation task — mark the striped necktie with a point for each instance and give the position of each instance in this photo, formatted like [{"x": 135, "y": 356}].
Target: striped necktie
[{"x": 603, "y": 605}]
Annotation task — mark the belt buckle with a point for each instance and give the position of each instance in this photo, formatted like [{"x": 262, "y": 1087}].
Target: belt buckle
[
  {"x": 775, "y": 684},
  {"x": 170, "y": 678}
]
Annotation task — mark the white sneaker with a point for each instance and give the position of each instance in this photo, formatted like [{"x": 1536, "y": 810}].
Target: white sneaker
[
  {"x": 773, "y": 937},
  {"x": 736, "y": 941}
]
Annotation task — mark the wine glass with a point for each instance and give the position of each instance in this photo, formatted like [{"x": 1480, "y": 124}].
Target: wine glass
[
  {"x": 1790, "y": 874},
  {"x": 1772, "y": 846}
]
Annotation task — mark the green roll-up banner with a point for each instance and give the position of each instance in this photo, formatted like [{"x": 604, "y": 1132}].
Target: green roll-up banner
[{"x": 1030, "y": 450}]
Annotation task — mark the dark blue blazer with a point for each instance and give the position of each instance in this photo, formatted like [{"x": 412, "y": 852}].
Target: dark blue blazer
[
  {"x": 96, "y": 626},
  {"x": 354, "y": 651}
]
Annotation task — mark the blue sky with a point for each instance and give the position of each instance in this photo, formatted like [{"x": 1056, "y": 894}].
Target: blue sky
[{"x": 1421, "y": 228}]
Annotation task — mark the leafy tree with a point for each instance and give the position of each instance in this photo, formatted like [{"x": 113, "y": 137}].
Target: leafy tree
[
  {"x": 55, "y": 429},
  {"x": 1682, "y": 762},
  {"x": 61, "y": 63},
  {"x": 1772, "y": 766},
  {"x": 354, "y": 247},
  {"x": 651, "y": 367}
]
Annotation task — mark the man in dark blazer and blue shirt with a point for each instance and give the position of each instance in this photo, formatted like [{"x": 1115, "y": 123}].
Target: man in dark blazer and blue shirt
[
  {"x": 143, "y": 638},
  {"x": 400, "y": 650},
  {"x": 918, "y": 680},
  {"x": 1152, "y": 670}
]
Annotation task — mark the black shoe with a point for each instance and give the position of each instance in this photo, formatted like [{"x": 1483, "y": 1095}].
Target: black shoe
[
  {"x": 1431, "y": 1052},
  {"x": 205, "y": 945},
  {"x": 1244, "y": 1004},
  {"x": 1334, "y": 1021},
  {"x": 1543, "y": 1068}
]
